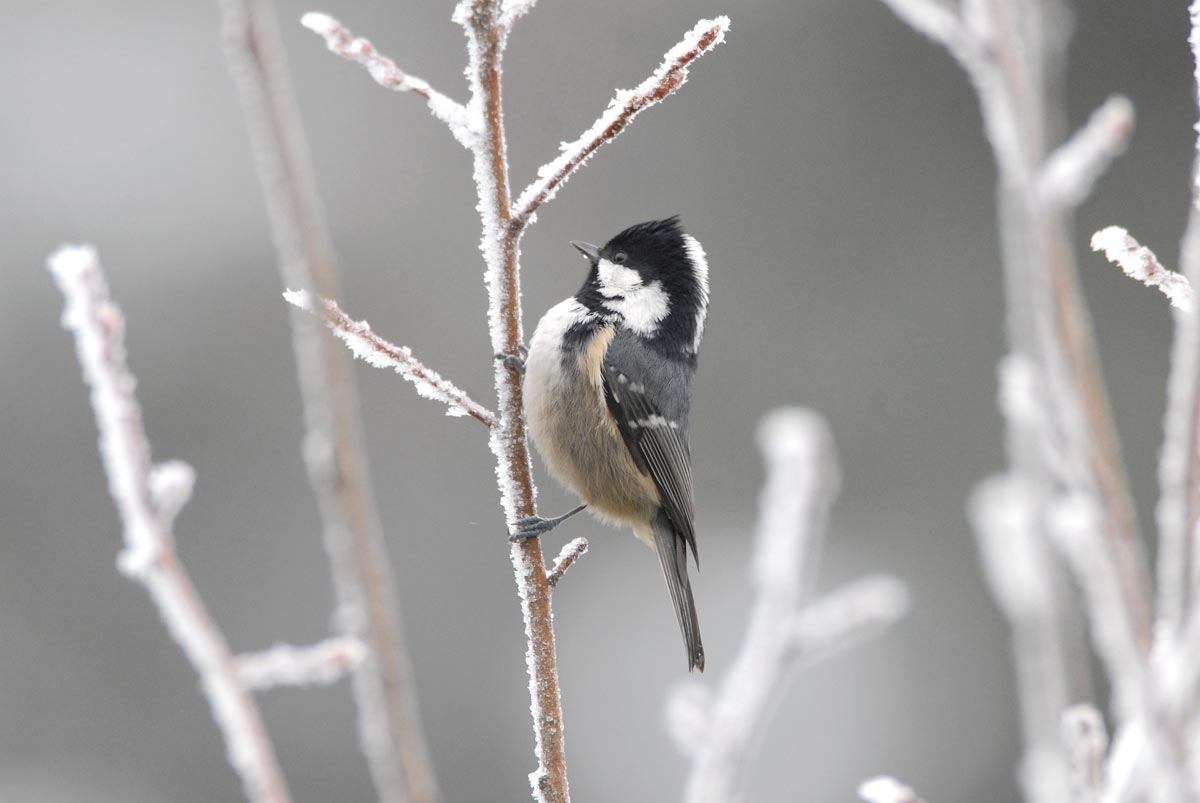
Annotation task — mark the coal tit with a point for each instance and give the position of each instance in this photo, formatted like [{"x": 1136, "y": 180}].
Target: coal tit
[{"x": 608, "y": 384}]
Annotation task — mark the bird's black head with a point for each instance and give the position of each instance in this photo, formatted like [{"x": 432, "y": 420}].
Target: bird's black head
[{"x": 654, "y": 277}]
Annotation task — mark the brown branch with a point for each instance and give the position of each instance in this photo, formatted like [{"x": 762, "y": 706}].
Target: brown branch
[
  {"x": 571, "y": 552},
  {"x": 148, "y": 497},
  {"x": 389, "y": 725},
  {"x": 373, "y": 349},
  {"x": 626, "y": 105},
  {"x": 486, "y": 36}
]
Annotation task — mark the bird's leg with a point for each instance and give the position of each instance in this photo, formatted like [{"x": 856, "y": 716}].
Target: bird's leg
[
  {"x": 514, "y": 361},
  {"x": 533, "y": 526}
]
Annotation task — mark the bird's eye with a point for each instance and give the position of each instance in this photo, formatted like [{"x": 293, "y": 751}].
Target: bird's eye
[{"x": 620, "y": 257}]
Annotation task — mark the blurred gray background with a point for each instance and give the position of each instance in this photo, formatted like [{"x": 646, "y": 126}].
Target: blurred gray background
[{"x": 832, "y": 163}]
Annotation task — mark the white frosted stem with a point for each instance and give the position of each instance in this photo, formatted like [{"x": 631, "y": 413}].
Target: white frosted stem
[
  {"x": 1071, "y": 171},
  {"x": 321, "y": 664},
  {"x": 717, "y": 730},
  {"x": 572, "y": 551},
  {"x": 1138, "y": 262},
  {"x": 147, "y": 498},
  {"x": 379, "y": 353},
  {"x": 625, "y": 105},
  {"x": 341, "y": 41}
]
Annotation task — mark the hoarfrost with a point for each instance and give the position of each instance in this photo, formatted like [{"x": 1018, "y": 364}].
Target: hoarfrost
[{"x": 1139, "y": 262}]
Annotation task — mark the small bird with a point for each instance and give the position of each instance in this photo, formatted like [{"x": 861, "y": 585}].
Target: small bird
[{"x": 608, "y": 384}]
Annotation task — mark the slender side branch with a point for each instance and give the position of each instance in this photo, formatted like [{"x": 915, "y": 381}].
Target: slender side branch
[
  {"x": 341, "y": 41},
  {"x": 571, "y": 552},
  {"x": 389, "y": 720},
  {"x": 1178, "y": 512},
  {"x": 1071, "y": 171},
  {"x": 1086, "y": 741},
  {"x": 717, "y": 729},
  {"x": 320, "y": 664},
  {"x": 626, "y": 105},
  {"x": 1139, "y": 262},
  {"x": 374, "y": 350},
  {"x": 147, "y": 498}
]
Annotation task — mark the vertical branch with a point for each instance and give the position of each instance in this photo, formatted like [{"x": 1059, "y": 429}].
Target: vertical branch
[
  {"x": 388, "y": 717},
  {"x": 1178, "y": 513},
  {"x": 148, "y": 497},
  {"x": 500, "y": 244}
]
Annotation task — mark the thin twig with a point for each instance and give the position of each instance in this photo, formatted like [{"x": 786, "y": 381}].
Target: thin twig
[
  {"x": 624, "y": 106},
  {"x": 1178, "y": 513},
  {"x": 1086, "y": 741},
  {"x": 321, "y": 664},
  {"x": 374, "y": 350},
  {"x": 1071, "y": 171},
  {"x": 389, "y": 722},
  {"x": 147, "y": 498},
  {"x": 571, "y": 552},
  {"x": 341, "y": 41},
  {"x": 1139, "y": 262}
]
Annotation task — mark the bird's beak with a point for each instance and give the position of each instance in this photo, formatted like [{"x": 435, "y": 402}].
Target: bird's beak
[{"x": 588, "y": 250}]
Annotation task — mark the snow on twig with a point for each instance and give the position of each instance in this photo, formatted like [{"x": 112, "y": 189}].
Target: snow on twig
[
  {"x": 147, "y": 498},
  {"x": 321, "y": 664},
  {"x": 886, "y": 789},
  {"x": 625, "y": 106},
  {"x": 1139, "y": 262},
  {"x": 341, "y": 41},
  {"x": 716, "y": 729},
  {"x": 374, "y": 350},
  {"x": 1071, "y": 171},
  {"x": 571, "y": 552}
]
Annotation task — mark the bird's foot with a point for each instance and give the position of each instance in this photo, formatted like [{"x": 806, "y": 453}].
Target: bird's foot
[
  {"x": 514, "y": 361},
  {"x": 533, "y": 526}
]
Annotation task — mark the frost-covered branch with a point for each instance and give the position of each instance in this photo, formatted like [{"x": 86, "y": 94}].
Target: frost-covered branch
[
  {"x": 374, "y": 350},
  {"x": 341, "y": 41},
  {"x": 1086, "y": 741},
  {"x": 1178, "y": 513},
  {"x": 320, "y": 664},
  {"x": 886, "y": 789},
  {"x": 1139, "y": 262},
  {"x": 148, "y": 497},
  {"x": 389, "y": 721},
  {"x": 572, "y": 551},
  {"x": 1072, "y": 170},
  {"x": 716, "y": 729},
  {"x": 625, "y": 106}
]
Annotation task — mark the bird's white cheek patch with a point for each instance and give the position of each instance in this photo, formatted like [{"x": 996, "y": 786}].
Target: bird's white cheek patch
[
  {"x": 642, "y": 308},
  {"x": 616, "y": 280}
]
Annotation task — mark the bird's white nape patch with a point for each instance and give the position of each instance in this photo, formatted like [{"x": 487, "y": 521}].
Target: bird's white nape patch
[
  {"x": 641, "y": 305},
  {"x": 699, "y": 262}
]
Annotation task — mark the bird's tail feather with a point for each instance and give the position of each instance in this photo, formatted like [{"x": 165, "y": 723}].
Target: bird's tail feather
[{"x": 672, "y": 553}]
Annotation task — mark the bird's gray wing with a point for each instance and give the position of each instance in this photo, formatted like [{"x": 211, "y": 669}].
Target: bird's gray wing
[{"x": 648, "y": 394}]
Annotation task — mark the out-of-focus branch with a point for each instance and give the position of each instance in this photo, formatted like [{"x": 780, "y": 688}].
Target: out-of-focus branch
[
  {"x": 717, "y": 729},
  {"x": 1139, "y": 262},
  {"x": 374, "y": 350},
  {"x": 341, "y": 41},
  {"x": 1019, "y": 568},
  {"x": 320, "y": 664},
  {"x": 1178, "y": 513},
  {"x": 625, "y": 106},
  {"x": 148, "y": 497},
  {"x": 572, "y": 551},
  {"x": 389, "y": 722},
  {"x": 1086, "y": 741},
  {"x": 886, "y": 789},
  {"x": 1071, "y": 171}
]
